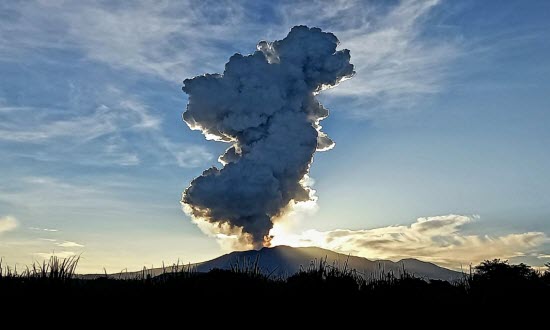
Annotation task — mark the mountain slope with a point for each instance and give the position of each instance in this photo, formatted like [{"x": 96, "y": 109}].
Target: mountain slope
[{"x": 286, "y": 260}]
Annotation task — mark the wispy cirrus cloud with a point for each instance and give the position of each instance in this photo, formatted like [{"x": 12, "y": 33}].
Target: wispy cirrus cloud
[
  {"x": 121, "y": 131},
  {"x": 167, "y": 39},
  {"x": 99, "y": 130},
  {"x": 102, "y": 125},
  {"x": 396, "y": 62},
  {"x": 100, "y": 121},
  {"x": 397, "y": 65},
  {"x": 437, "y": 239},
  {"x": 58, "y": 201},
  {"x": 105, "y": 111},
  {"x": 50, "y": 192}
]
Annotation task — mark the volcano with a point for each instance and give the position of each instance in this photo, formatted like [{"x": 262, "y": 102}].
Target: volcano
[{"x": 283, "y": 261}]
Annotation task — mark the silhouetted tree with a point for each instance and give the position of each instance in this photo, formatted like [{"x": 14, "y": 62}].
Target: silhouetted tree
[
  {"x": 500, "y": 271},
  {"x": 500, "y": 283}
]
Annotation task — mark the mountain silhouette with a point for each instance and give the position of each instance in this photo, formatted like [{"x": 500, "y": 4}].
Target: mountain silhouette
[{"x": 285, "y": 261}]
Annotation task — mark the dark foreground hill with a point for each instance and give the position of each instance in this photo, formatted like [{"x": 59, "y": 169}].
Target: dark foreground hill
[{"x": 283, "y": 261}]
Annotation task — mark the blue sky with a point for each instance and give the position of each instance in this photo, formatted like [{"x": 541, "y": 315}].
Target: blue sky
[{"x": 445, "y": 123}]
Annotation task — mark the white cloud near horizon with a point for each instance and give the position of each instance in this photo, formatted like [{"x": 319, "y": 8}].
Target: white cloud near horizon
[
  {"x": 69, "y": 244},
  {"x": 44, "y": 229},
  {"x": 48, "y": 239},
  {"x": 59, "y": 254},
  {"x": 7, "y": 223},
  {"x": 438, "y": 239}
]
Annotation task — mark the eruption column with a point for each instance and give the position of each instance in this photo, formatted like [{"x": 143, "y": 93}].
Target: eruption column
[{"x": 264, "y": 105}]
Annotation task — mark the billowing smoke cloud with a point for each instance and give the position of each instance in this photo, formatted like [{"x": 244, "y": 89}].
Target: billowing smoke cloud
[{"x": 264, "y": 105}]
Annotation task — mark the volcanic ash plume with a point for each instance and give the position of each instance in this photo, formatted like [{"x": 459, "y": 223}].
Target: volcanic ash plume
[{"x": 264, "y": 105}]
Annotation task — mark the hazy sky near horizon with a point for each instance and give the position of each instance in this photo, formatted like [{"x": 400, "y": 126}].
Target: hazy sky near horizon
[{"x": 441, "y": 137}]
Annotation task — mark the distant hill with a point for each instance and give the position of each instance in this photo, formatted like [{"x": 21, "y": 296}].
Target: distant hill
[{"x": 286, "y": 260}]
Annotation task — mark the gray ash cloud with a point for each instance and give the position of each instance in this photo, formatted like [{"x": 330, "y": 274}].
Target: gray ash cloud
[{"x": 263, "y": 105}]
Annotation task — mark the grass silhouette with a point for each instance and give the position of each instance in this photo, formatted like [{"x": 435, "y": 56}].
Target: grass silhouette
[{"x": 491, "y": 283}]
